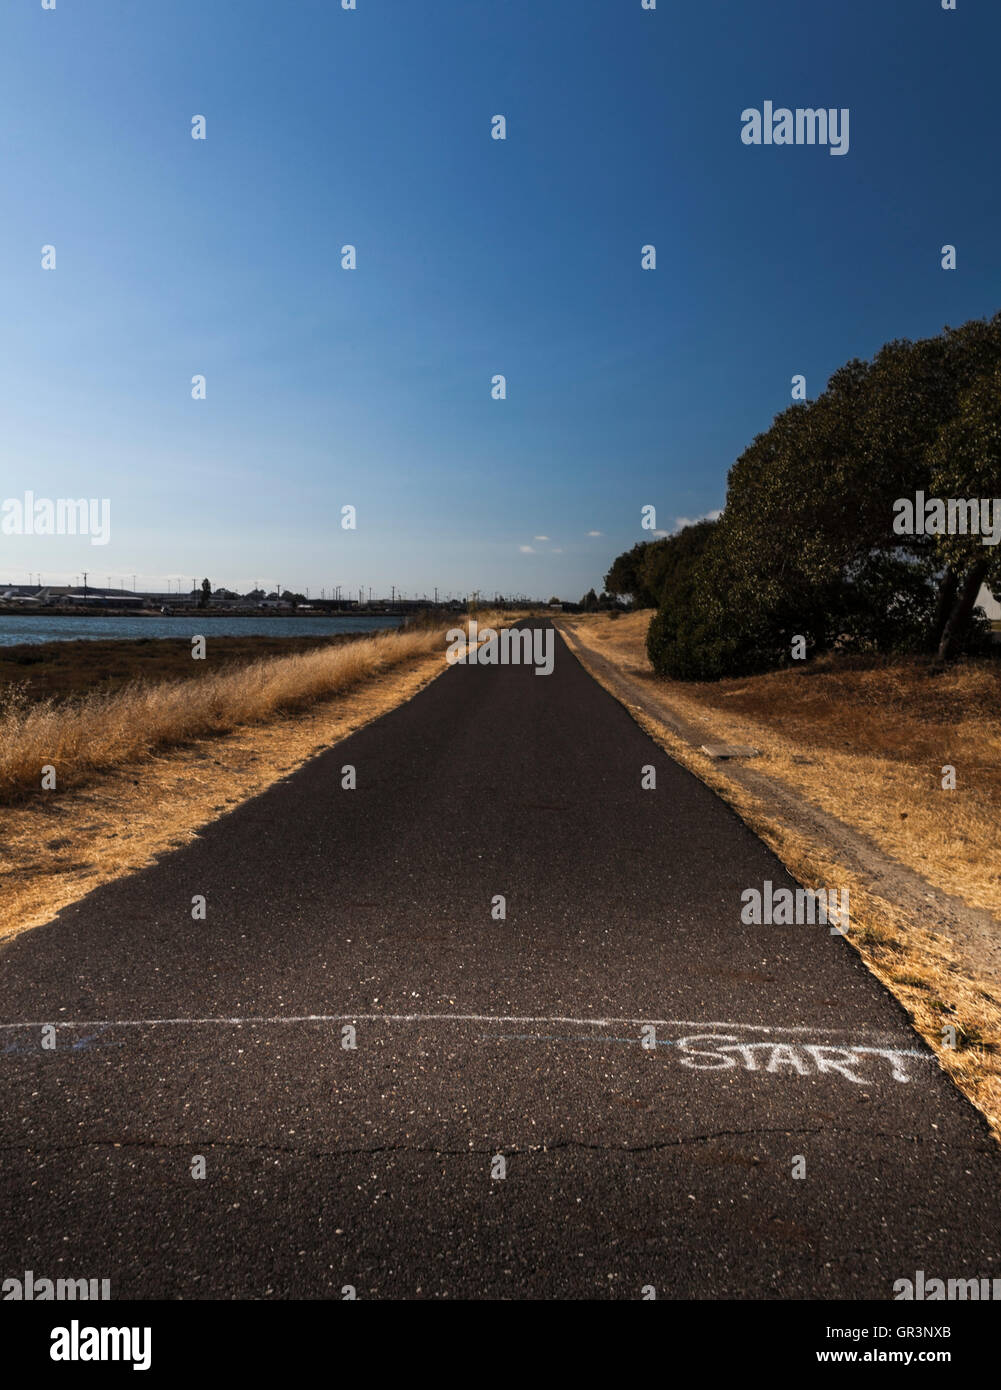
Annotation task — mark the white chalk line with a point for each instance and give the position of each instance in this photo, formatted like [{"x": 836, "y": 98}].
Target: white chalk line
[{"x": 287, "y": 1019}]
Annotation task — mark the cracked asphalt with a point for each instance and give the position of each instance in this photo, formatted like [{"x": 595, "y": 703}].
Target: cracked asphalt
[{"x": 647, "y": 1072}]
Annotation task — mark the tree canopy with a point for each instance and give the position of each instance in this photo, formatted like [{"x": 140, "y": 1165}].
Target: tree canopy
[{"x": 807, "y": 545}]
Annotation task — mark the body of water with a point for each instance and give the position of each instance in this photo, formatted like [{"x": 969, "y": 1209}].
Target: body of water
[{"x": 14, "y": 630}]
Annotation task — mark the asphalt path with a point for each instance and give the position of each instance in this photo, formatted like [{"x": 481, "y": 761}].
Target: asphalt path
[{"x": 611, "y": 1090}]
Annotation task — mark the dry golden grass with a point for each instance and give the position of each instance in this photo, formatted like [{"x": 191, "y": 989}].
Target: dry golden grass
[
  {"x": 884, "y": 733},
  {"x": 864, "y": 744}
]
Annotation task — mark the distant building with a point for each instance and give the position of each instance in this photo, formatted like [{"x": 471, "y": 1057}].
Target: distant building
[{"x": 100, "y": 598}]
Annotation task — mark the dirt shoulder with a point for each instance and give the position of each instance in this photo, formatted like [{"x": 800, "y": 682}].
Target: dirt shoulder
[{"x": 847, "y": 791}]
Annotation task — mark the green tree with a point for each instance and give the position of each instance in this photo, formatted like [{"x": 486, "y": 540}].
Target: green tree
[
  {"x": 685, "y": 580},
  {"x": 806, "y": 546},
  {"x": 965, "y": 463}
]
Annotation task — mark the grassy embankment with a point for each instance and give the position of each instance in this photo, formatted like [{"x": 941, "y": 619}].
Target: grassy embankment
[
  {"x": 848, "y": 792},
  {"x": 83, "y": 666}
]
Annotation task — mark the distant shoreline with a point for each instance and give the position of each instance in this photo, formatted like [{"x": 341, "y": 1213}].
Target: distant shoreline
[
  {"x": 122, "y": 629},
  {"x": 190, "y": 610}
]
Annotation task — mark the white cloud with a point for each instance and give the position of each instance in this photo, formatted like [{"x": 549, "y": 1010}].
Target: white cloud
[
  {"x": 526, "y": 550},
  {"x": 540, "y": 538},
  {"x": 680, "y": 522},
  {"x": 594, "y": 533}
]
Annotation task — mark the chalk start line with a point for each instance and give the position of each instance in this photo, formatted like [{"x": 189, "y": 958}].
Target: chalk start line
[{"x": 701, "y": 1047}]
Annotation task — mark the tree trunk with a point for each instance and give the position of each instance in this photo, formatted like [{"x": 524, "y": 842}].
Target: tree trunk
[
  {"x": 962, "y": 611},
  {"x": 946, "y": 598}
]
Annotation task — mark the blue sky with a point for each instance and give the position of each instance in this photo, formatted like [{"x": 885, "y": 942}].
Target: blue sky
[{"x": 372, "y": 387}]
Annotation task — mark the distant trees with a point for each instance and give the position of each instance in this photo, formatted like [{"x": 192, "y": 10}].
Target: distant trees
[
  {"x": 598, "y": 603},
  {"x": 205, "y": 594},
  {"x": 626, "y": 578},
  {"x": 811, "y": 545}
]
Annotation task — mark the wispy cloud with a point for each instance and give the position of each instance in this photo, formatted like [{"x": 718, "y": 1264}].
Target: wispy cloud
[
  {"x": 526, "y": 549},
  {"x": 595, "y": 533},
  {"x": 680, "y": 522}
]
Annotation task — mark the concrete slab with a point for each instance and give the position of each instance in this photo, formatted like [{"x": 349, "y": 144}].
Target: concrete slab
[{"x": 730, "y": 750}]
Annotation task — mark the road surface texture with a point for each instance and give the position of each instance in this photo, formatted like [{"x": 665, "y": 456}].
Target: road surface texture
[{"x": 632, "y": 1159}]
